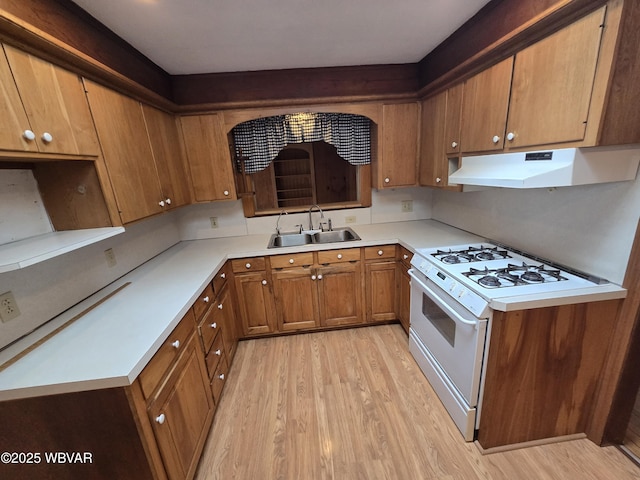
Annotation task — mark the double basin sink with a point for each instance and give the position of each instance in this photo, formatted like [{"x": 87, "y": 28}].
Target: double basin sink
[{"x": 308, "y": 238}]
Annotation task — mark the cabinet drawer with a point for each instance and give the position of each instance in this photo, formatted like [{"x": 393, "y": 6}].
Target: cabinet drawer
[
  {"x": 405, "y": 256},
  {"x": 202, "y": 303},
  {"x": 210, "y": 326},
  {"x": 221, "y": 277},
  {"x": 335, "y": 256},
  {"x": 292, "y": 260},
  {"x": 248, "y": 264},
  {"x": 382, "y": 251},
  {"x": 215, "y": 354},
  {"x": 155, "y": 370},
  {"x": 219, "y": 378}
]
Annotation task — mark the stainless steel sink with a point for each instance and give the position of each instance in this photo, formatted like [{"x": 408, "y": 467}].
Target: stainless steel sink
[{"x": 295, "y": 239}]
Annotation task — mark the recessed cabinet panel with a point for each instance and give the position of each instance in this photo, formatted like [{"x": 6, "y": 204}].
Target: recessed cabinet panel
[
  {"x": 13, "y": 121},
  {"x": 399, "y": 155}
]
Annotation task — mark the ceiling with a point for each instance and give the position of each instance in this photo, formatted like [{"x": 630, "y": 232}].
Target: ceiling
[{"x": 209, "y": 36}]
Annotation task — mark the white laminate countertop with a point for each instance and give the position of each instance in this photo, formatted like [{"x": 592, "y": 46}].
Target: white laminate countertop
[{"x": 110, "y": 344}]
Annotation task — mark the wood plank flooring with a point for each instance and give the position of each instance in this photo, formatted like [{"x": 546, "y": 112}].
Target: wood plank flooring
[
  {"x": 632, "y": 437},
  {"x": 353, "y": 404}
]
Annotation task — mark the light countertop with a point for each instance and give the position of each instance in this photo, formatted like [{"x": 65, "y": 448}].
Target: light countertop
[{"x": 110, "y": 344}]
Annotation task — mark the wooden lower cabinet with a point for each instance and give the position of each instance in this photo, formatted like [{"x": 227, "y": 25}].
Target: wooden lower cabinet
[
  {"x": 181, "y": 413},
  {"x": 296, "y": 298},
  {"x": 404, "y": 287},
  {"x": 381, "y": 283},
  {"x": 340, "y": 294},
  {"x": 254, "y": 296}
]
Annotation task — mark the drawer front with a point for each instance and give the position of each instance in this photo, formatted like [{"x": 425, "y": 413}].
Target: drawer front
[
  {"x": 203, "y": 302},
  {"x": 382, "y": 251},
  {"x": 219, "y": 379},
  {"x": 292, "y": 260},
  {"x": 214, "y": 355},
  {"x": 240, "y": 265},
  {"x": 405, "y": 256},
  {"x": 221, "y": 277},
  {"x": 210, "y": 326},
  {"x": 336, "y": 256},
  {"x": 168, "y": 352}
]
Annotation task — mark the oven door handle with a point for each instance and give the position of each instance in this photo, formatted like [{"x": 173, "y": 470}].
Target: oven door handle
[{"x": 456, "y": 316}]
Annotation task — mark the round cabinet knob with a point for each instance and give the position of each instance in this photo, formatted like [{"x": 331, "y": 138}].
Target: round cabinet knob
[
  {"x": 405, "y": 256},
  {"x": 161, "y": 203},
  {"x": 438, "y": 180},
  {"x": 495, "y": 139},
  {"x": 264, "y": 282},
  {"x": 339, "y": 256},
  {"x": 248, "y": 265},
  {"x": 223, "y": 275},
  {"x": 214, "y": 325},
  {"x": 176, "y": 344},
  {"x": 313, "y": 277},
  {"x": 168, "y": 201},
  {"x": 160, "y": 418},
  {"x": 380, "y": 252},
  {"x": 387, "y": 180},
  {"x": 221, "y": 376},
  {"x": 218, "y": 352},
  {"x": 226, "y": 193},
  {"x": 46, "y": 137},
  {"x": 29, "y": 135},
  {"x": 206, "y": 299},
  {"x": 454, "y": 144},
  {"x": 319, "y": 277},
  {"x": 291, "y": 260},
  {"x": 511, "y": 136},
  {"x": 219, "y": 306}
]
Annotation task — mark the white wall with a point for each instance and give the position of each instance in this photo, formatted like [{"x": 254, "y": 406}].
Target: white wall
[
  {"x": 46, "y": 289},
  {"x": 590, "y": 228},
  {"x": 194, "y": 221}
]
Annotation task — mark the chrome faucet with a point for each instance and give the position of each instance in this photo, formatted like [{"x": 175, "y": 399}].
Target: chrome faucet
[
  {"x": 310, "y": 219},
  {"x": 278, "y": 221}
]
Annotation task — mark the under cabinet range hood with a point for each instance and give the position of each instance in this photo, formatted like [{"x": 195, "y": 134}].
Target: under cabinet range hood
[{"x": 549, "y": 168}]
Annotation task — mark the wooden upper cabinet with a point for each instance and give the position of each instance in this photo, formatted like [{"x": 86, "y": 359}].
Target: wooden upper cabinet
[
  {"x": 484, "y": 108},
  {"x": 433, "y": 158},
  {"x": 47, "y": 101},
  {"x": 552, "y": 85},
  {"x": 453, "y": 120},
  {"x": 398, "y": 157},
  {"x": 208, "y": 157},
  {"x": 127, "y": 152},
  {"x": 168, "y": 153}
]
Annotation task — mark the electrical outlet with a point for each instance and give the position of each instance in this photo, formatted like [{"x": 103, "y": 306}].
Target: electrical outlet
[
  {"x": 350, "y": 219},
  {"x": 8, "y": 307},
  {"x": 110, "y": 255},
  {"x": 407, "y": 206},
  {"x": 214, "y": 222}
]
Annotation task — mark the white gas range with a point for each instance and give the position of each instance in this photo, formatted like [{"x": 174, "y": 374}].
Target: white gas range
[{"x": 454, "y": 291}]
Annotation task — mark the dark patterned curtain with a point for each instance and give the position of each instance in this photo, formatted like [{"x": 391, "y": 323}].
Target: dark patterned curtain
[{"x": 258, "y": 142}]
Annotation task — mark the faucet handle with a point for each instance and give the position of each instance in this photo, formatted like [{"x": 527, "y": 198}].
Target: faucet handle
[{"x": 299, "y": 227}]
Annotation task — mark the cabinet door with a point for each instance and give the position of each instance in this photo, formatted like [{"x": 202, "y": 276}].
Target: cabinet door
[
  {"x": 181, "y": 413},
  {"x": 296, "y": 298},
  {"x": 127, "y": 152},
  {"x": 453, "y": 120},
  {"x": 399, "y": 156},
  {"x": 55, "y": 103},
  {"x": 168, "y": 153},
  {"x": 208, "y": 157},
  {"x": 404, "y": 297},
  {"x": 224, "y": 304},
  {"x": 484, "y": 108},
  {"x": 255, "y": 303},
  {"x": 340, "y": 294},
  {"x": 13, "y": 121},
  {"x": 552, "y": 84},
  {"x": 433, "y": 158},
  {"x": 380, "y": 289}
]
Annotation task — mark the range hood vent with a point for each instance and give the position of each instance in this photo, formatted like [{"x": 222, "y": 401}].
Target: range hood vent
[{"x": 549, "y": 168}]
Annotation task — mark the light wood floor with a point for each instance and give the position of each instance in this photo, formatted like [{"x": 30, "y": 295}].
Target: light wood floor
[
  {"x": 353, "y": 404},
  {"x": 632, "y": 437}
]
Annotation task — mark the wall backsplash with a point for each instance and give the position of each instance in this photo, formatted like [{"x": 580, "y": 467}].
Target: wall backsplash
[{"x": 590, "y": 228}]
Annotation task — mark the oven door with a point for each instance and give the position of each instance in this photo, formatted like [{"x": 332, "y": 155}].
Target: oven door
[{"x": 452, "y": 335}]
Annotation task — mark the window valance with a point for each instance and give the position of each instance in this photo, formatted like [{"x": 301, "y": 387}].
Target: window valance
[{"x": 258, "y": 142}]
